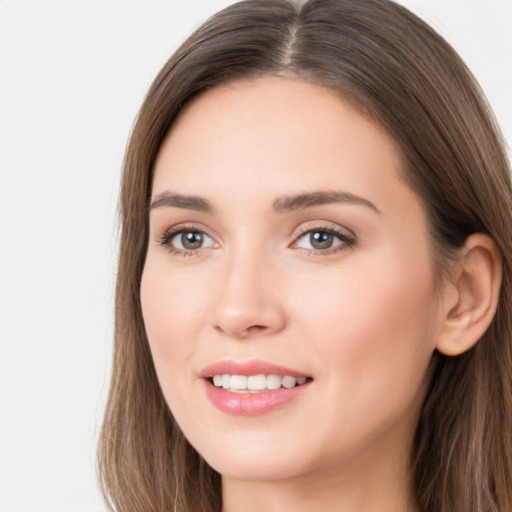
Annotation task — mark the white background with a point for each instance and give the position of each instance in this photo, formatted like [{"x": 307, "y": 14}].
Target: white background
[{"x": 72, "y": 76}]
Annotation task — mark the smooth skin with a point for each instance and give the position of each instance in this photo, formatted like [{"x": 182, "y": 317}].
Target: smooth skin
[{"x": 238, "y": 273}]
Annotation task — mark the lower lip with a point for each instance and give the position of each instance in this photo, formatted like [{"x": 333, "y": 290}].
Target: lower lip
[{"x": 251, "y": 404}]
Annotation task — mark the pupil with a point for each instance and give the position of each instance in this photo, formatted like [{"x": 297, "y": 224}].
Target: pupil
[
  {"x": 192, "y": 240},
  {"x": 321, "y": 240}
]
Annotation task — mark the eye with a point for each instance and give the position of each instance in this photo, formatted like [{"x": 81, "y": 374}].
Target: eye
[
  {"x": 190, "y": 240},
  {"x": 324, "y": 240},
  {"x": 185, "y": 240}
]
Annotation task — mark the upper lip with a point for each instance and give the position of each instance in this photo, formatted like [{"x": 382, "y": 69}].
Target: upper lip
[{"x": 254, "y": 367}]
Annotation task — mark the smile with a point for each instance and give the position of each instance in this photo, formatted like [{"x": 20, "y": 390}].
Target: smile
[
  {"x": 252, "y": 388},
  {"x": 255, "y": 383}
]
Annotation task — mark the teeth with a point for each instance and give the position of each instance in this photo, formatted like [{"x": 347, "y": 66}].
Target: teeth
[
  {"x": 238, "y": 382},
  {"x": 274, "y": 381},
  {"x": 289, "y": 382},
  {"x": 256, "y": 382}
]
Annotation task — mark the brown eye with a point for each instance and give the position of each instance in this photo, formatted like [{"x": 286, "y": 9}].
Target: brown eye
[
  {"x": 324, "y": 240},
  {"x": 321, "y": 240},
  {"x": 191, "y": 240},
  {"x": 184, "y": 241}
]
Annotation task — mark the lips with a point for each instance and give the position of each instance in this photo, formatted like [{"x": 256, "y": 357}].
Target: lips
[{"x": 252, "y": 388}]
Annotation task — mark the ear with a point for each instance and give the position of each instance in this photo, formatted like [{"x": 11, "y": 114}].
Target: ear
[{"x": 470, "y": 296}]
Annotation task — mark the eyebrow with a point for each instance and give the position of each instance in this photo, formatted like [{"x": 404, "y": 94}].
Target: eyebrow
[
  {"x": 307, "y": 200},
  {"x": 280, "y": 205},
  {"x": 196, "y": 203}
]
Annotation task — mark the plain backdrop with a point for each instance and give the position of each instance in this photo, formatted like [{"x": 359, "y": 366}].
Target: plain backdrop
[{"x": 72, "y": 76}]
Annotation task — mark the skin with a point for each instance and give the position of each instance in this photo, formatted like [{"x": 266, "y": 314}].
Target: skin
[{"x": 361, "y": 319}]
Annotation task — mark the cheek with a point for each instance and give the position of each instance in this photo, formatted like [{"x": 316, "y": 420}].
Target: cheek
[
  {"x": 172, "y": 309},
  {"x": 172, "y": 312},
  {"x": 371, "y": 335},
  {"x": 380, "y": 299},
  {"x": 373, "y": 328}
]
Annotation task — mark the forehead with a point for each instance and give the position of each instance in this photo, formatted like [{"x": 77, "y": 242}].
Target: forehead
[{"x": 274, "y": 133}]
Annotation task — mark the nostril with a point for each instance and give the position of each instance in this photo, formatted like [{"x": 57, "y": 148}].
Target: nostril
[
  {"x": 242, "y": 333},
  {"x": 256, "y": 328}
]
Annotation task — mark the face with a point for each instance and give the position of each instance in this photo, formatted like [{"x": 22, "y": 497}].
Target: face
[{"x": 288, "y": 288}]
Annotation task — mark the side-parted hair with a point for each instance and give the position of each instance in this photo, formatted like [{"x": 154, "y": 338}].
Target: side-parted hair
[{"x": 398, "y": 71}]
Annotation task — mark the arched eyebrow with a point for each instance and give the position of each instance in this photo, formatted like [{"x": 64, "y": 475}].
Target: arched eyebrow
[
  {"x": 280, "y": 205},
  {"x": 179, "y": 201},
  {"x": 309, "y": 199}
]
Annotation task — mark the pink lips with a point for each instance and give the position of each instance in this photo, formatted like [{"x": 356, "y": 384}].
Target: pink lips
[
  {"x": 250, "y": 404},
  {"x": 247, "y": 368}
]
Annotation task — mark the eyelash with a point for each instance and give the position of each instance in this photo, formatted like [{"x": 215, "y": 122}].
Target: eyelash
[{"x": 347, "y": 240}]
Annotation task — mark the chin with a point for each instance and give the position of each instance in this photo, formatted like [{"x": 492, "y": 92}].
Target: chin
[
  {"x": 254, "y": 460},
  {"x": 256, "y": 468}
]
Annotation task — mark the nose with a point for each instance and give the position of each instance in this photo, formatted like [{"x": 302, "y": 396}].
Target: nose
[{"x": 247, "y": 302}]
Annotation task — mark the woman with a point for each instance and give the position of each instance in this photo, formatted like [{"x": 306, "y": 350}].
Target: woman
[{"x": 313, "y": 302}]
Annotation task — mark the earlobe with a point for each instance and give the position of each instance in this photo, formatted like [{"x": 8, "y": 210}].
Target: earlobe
[{"x": 471, "y": 297}]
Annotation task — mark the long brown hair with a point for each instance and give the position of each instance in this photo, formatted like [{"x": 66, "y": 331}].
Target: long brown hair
[{"x": 396, "y": 69}]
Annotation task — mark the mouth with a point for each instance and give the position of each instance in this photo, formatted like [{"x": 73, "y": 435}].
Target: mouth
[
  {"x": 252, "y": 388},
  {"x": 256, "y": 383}
]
